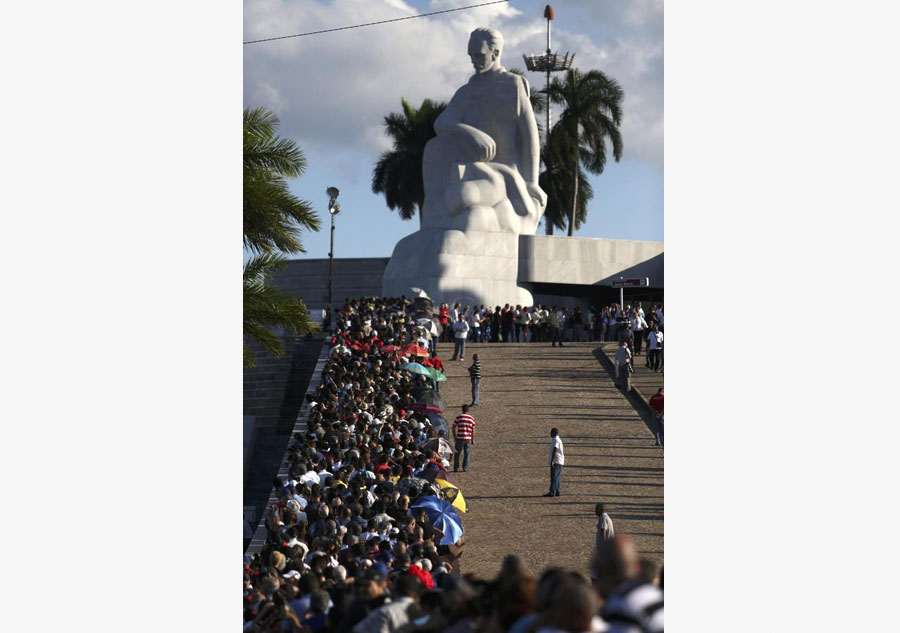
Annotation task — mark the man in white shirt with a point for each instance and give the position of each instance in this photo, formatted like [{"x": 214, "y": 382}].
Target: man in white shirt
[
  {"x": 638, "y": 325},
  {"x": 475, "y": 324},
  {"x": 654, "y": 347},
  {"x": 605, "y": 529},
  {"x": 461, "y": 332},
  {"x": 557, "y": 460}
]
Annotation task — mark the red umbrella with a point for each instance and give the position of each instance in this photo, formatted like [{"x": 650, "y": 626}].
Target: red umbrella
[
  {"x": 389, "y": 349},
  {"x": 424, "y": 406},
  {"x": 415, "y": 350}
]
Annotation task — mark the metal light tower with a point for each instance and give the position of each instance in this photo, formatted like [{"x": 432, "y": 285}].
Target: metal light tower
[
  {"x": 549, "y": 62},
  {"x": 333, "y": 209}
]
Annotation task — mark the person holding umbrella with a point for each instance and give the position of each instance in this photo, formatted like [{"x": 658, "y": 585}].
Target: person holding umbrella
[{"x": 437, "y": 365}]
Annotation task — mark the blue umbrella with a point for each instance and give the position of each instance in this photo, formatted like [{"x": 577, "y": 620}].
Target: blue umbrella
[
  {"x": 443, "y": 516},
  {"x": 416, "y": 368}
]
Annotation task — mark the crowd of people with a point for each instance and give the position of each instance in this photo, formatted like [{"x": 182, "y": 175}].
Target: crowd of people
[
  {"x": 549, "y": 323},
  {"x": 352, "y": 545}
]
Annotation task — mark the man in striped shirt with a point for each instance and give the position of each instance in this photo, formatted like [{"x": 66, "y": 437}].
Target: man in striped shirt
[
  {"x": 475, "y": 375},
  {"x": 464, "y": 434}
]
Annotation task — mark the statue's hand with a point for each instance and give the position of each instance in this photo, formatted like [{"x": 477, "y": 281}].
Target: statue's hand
[
  {"x": 485, "y": 147},
  {"x": 537, "y": 194}
]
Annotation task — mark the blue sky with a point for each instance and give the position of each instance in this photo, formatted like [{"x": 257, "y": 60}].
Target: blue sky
[{"x": 332, "y": 91}]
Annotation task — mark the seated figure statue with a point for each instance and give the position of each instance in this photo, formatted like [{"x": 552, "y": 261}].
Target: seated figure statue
[
  {"x": 481, "y": 190},
  {"x": 481, "y": 170}
]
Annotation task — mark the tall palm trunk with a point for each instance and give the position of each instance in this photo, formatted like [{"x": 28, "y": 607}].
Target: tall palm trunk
[
  {"x": 574, "y": 193},
  {"x": 548, "y": 226},
  {"x": 421, "y": 212}
]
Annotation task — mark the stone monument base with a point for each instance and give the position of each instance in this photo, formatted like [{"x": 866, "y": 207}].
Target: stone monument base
[
  {"x": 474, "y": 267},
  {"x": 478, "y": 267}
]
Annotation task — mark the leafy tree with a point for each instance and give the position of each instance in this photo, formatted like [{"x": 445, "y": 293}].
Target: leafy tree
[
  {"x": 556, "y": 181},
  {"x": 555, "y": 178},
  {"x": 273, "y": 219},
  {"x": 591, "y": 119},
  {"x": 398, "y": 172}
]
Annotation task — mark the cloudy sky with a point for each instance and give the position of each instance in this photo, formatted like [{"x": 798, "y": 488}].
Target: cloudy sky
[{"x": 332, "y": 91}]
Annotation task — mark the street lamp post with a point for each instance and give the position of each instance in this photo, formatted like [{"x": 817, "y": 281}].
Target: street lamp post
[
  {"x": 333, "y": 209},
  {"x": 548, "y": 62}
]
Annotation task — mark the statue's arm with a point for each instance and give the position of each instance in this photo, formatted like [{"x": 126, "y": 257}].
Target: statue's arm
[
  {"x": 528, "y": 133},
  {"x": 448, "y": 124},
  {"x": 531, "y": 147}
]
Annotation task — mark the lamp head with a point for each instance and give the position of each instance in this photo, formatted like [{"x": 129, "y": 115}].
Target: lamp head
[{"x": 333, "y": 207}]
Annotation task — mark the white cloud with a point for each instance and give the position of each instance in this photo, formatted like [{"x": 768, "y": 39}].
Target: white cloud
[{"x": 333, "y": 90}]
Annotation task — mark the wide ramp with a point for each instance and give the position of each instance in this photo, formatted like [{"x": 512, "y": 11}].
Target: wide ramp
[{"x": 611, "y": 457}]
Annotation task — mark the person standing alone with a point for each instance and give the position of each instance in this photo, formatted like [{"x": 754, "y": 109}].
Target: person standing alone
[
  {"x": 460, "y": 332},
  {"x": 557, "y": 460},
  {"x": 605, "y": 530},
  {"x": 656, "y": 408},
  {"x": 475, "y": 376},
  {"x": 464, "y": 434}
]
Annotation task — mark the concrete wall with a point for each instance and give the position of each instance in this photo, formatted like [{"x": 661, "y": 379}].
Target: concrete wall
[
  {"x": 353, "y": 278},
  {"x": 554, "y": 259},
  {"x": 549, "y": 265}
]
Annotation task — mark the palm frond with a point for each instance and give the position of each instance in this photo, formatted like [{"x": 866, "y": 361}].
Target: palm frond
[{"x": 398, "y": 172}]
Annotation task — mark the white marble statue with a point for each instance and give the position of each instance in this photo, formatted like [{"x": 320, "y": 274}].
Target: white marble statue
[
  {"x": 481, "y": 170},
  {"x": 481, "y": 190}
]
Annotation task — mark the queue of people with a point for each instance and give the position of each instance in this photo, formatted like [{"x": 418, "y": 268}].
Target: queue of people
[
  {"x": 353, "y": 542},
  {"x": 547, "y": 323}
]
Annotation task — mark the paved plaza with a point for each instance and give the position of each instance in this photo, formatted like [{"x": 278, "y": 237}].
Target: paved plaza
[{"x": 610, "y": 457}]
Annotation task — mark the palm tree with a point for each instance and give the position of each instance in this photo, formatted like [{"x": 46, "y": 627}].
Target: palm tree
[
  {"x": 273, "y": 219},
  {"x": 556, "y": 181},
  {"x": 273, "y": 216},
  {"x": 267, "y": 307},
  {"x": 592, "y": 116},
  {"x": 398, "y": 172}
]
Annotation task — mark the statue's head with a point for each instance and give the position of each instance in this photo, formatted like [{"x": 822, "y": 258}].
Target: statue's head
[{"x": 485, "y": 46}]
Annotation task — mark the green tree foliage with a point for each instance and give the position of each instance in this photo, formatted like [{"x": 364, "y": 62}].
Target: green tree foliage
[
  {"x": 398, "y": 172},
  {"x": 273, "y": 216},
  {"x": 556, "y": 181},
  {"x": 591, "y": 120},
  {"x": 273, "y": 219}
]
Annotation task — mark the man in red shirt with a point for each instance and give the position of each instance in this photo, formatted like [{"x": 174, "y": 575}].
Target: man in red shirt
[
  {"x": 464, "y": 434},
  {"x": 656, "y": 412}
]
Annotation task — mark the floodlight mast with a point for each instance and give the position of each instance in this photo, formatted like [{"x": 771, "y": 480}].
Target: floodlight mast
[{"x": 548, "y": 62}]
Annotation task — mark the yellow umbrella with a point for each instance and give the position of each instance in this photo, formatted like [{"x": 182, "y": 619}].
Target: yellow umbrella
[{"x": 453, "y": 494}]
